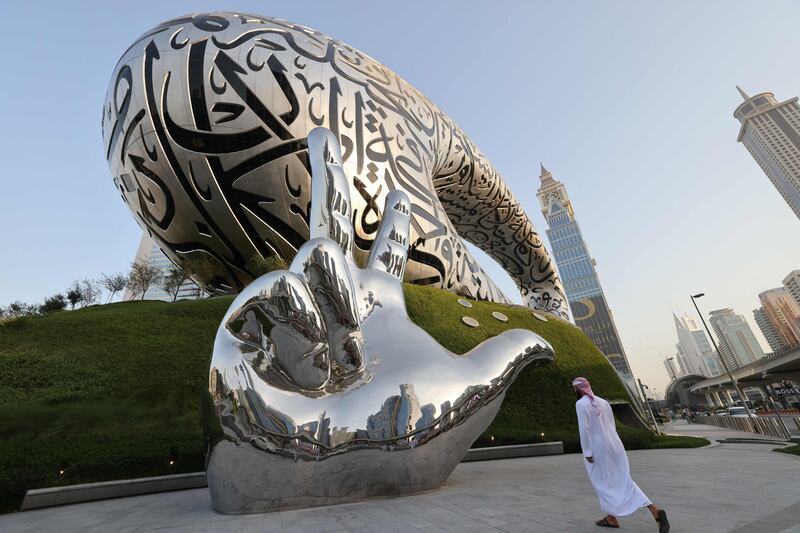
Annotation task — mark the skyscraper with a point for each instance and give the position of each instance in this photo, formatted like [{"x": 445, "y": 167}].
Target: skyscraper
[
  {"x": 783, "y": 314},
  {"x": 737, "y": 342},
  {"x": 770, "y": 333},
  {"x": 771, "y": 133},
  {"x": 577, "y": 270},
  {"x": 149, "y": 251},
  {"x": 695, "y": 354},
  {"x": 792, "y": 284}
]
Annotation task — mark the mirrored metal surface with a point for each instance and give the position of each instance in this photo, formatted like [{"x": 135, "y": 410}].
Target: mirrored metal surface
[
  {"x": 326, "y": 391},
  {"x": 204, "y": 127}
]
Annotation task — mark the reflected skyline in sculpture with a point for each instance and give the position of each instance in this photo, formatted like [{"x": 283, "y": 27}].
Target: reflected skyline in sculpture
[
  {"x": 204, "y": 127},
  {"x": 325, "y": 390}
]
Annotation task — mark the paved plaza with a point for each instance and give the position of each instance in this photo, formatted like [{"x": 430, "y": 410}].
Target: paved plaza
[{"x": 720, "y": 488}]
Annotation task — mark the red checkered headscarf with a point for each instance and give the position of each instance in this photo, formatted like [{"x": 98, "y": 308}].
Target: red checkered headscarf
[{"x": 582, "y": 385}]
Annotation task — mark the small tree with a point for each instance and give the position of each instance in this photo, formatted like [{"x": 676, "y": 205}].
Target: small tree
[
  {"x": 204, "y": 269},
  {"x": 258, "y": 265},
  {"x": 171, "y": 282},
  {"x": 74, "y": 294},
  {"x": 54, "y": 303},
  {"x": 114, "y": 283},
  {"x": 142, "y": 276},
  {"x": 18, "y": 308},
  {"x": 90, "y": 292}
]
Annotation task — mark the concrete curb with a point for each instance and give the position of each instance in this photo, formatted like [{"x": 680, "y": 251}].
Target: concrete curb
[
  {"x": 89, "y": 492},
  {"x": 739, "y": 440},
  {"x": 509, "y": 452}
]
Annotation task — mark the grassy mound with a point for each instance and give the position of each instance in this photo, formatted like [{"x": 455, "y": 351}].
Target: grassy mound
[
  {"x": 540, "y": 405},
  {"x": 107, "y": 392},
  {"x": 119, "y": 391}
]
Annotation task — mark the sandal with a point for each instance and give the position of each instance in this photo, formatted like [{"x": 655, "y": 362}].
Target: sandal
[
  {"x": 605, "y": 523},
  {"x": 663, "y": 523}
]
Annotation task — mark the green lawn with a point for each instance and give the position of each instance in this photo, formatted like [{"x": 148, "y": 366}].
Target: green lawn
[
  {"x": 678, "y": 441},
  {"x": 118, "y": 391},
  {"x": 794, "y": 450}
]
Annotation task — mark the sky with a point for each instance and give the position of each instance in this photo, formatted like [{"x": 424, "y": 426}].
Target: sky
[{"x": 628, "y": 103}]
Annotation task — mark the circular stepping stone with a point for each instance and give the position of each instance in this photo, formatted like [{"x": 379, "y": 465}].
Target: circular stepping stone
[
  {"x": 464, "y": 302},
  {"x": 540, "y": 317},
  {"x": 471, "y": 322},
  {"x": 500, "y": 316}
]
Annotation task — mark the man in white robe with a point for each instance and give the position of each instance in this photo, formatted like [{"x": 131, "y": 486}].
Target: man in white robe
[{"x": 607, "y": 463}]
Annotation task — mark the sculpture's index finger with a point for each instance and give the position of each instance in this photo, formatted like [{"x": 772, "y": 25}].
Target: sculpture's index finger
[
  {"x": 330, "y": 192},
  {"x": 389, "y": 252}
]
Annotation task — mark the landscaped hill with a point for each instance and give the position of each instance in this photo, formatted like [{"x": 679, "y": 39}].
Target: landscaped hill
[{"x": 119, "y": 391}]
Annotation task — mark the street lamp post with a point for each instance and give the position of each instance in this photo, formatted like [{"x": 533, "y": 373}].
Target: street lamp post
[
  {"x": 649, "y": 407},
  {"x": 724, "y": 363},
  {"x": 674, "y": 375}
]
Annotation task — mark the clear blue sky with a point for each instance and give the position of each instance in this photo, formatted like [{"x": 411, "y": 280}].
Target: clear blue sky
[{"x": 629, "y": 105}]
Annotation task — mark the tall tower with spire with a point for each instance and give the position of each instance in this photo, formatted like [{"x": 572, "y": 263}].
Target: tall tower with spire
[
  {"x": 577, "y": 270},
  {"x": 695, "y": 355},
  {"x": 771, "y": 133}
]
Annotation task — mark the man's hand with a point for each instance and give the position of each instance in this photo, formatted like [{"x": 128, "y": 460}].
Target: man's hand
[{"x": 590, "y": 459}]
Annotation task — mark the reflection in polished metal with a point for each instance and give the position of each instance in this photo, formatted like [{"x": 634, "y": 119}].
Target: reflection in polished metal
[
  {"x": 540, "y": 317},
  {"x": 204, "y": 127},
  {"x": 500, "y": 316},
  {"x": 464, "y": 302},
  {"x": 325, "y": 390},
  {"x": 471, "y": 322}
]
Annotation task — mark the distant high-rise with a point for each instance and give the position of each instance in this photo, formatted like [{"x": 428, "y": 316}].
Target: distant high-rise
[
  {"x": 783, "y": 313},
  {"x": 695, "y": 354},
  {"x": 577, "y": 270},
  {"x": 792, "y": 284},
  {"x": 774, "y": 340},
  {"x": 737, "y": 342},
  {"x": 771, "y": 133},
  {"x": 149, "y": 251},
  {"x": 682, "y": 367}
]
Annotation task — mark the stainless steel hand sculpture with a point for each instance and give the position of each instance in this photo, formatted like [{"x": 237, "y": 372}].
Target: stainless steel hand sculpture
[{"x": 325, "y": 390}]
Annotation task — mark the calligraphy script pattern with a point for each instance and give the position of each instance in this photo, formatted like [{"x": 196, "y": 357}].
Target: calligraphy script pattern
[{"x": 205, "y": 124}]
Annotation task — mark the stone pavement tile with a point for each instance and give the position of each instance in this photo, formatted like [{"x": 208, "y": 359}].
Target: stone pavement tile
[
  {"x": 435, "y": 514},
  {"x": 488, "y": 511},
  {"x": 443, "y": 526},
  {"x": 519, "y": 528},
  {"x": 515, "y": 518},
  {"x": 773, "y": 523}
]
